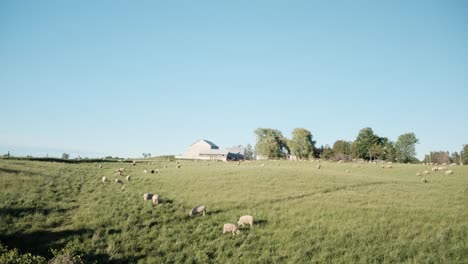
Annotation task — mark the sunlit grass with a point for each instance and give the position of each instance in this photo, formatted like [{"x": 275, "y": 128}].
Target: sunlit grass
[{"x": 303, "y": 214}]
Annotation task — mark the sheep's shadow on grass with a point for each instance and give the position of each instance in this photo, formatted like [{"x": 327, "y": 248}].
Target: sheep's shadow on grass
[
  {"x": 214, "y": 212},
  {"x": 260, "y": 222},
  {"x": 166, "y": 200}
]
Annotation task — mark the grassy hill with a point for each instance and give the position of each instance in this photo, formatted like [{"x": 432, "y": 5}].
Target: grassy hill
[{"x": 303, "y": 214}]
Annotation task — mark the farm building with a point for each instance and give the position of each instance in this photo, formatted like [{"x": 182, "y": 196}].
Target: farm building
[{"x": 207, "y": 150}]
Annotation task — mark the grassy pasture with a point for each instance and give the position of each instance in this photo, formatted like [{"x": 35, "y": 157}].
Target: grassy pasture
[{"x": 303, "y": 214}]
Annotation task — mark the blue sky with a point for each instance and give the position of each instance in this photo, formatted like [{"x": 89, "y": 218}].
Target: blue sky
[{"x": 120, "y": 78}]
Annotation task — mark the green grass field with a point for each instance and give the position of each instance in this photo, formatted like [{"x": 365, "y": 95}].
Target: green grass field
[{"x": 303, "y": 214}]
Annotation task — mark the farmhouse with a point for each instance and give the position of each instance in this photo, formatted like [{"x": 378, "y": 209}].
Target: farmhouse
[{"x": 206, "y": 150}]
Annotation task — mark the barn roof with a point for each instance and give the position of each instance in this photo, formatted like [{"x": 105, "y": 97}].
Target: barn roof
[{"x": 206, "y": 141}]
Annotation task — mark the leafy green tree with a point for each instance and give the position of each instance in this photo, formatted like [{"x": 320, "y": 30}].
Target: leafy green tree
[
  {"x": 301, "y": 144},
  {"x": 455, "y": 157},
  {"x": 389, "y": 152},
  {"x": 464, "y": 155},
  {"x": 342, "y": 150},
  {"x": 375, "y": 151},
  {"x": 365, "y": 139},
  {"x": 249, "y": 152},
  {"x": 405, "y": 146},
  {"x": 65, "y": 156},
  {"x": 271, "y": 143},
  {"x": 327, "y": 153}
]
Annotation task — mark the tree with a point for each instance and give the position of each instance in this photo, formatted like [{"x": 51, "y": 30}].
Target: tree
[
  {"x": 327, "y": 153},
  {"x": 375, "y": 151},
  {"x": 342, "y": 150},
  {"x": 248, "y": 152},
  {"x": 405, "y": 146},
  {"x": 301, "y": 144},
  {"x": 389, "y": 152},
  {"x": 464, "y": 155},
  {"x": 365, "y": 139},
  {"x": 65, "y": 156},
  {"x": 271, "y": 143},
  {"x": 455, "y": 157}
]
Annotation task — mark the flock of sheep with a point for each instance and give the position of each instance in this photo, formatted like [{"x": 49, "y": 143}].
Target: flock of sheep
[
  {"x": 197, "y": 210},
  {"x": 245, "y": 219}
]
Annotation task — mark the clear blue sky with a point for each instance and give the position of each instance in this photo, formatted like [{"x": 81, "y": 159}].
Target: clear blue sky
[{"x": 125, "y": 77}]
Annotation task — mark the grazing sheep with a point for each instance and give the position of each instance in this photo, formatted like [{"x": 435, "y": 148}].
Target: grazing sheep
[
  {"x": 147, "y": 196},
  {"x": 449, "y": 172},
  {"x": 178, "y": 167},
  {"x": 418, "y": 174},
  {"x": 230, "y": 228},
  {"x": 100, "y": 166},
  {"x": 318, "y": 166},
  {"x": 246, "y": 220},
  {"x": 118, "y": 173},
  {"x": 425, "y": 172},
  {"x": 155, "y": 199},
  {"x": 423, "y": 180},
  {"x": 104, "y": 179},
  {"x": 134, "y": 163},
  {"x": 152, "y": 171},
  {"x": 145, "y": 171},
  {"x": 118, "y": 181},
  {"x": 388, "y": 166},
  {"x": 121, "y": 169},
  {"x": 199, "y": 209},
  {"x": 127, "y": 178},
  {"x": 453, "y": 164}
]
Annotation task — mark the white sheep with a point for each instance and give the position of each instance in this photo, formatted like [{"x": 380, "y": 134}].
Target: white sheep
[
  {"x": 423, "y": 180},
  {"x": 155, "y": 199},
  {"x": 318, "y": 166},
  {"x": 127, "y": 178},
  {"x": 145, "y": 171},
  {"x": 449, "y": 172},
  {"x": 418, "y": 174},
  {"x": 118, "y": 181},
  {"x": 199, "y": 209},
  {"x": 104, "y": 179},
  {"x": 230, "y": 228},
  {"x": 147, "y": 196},
  {"x": 121, "y": 169},
  {"x": 246, "y": 220},
  {"x": 425, "y": 172},
  {"x": 100, "y": 166},
  {"x": 388, "y": 166},
  {"x": 178, "y": 167}
]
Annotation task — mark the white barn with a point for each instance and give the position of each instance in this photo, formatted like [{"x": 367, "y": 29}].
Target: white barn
[{"x": 206, "y": 150}]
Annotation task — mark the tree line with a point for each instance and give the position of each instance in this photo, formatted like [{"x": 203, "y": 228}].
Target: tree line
[{"x": 272, "y": 144}]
